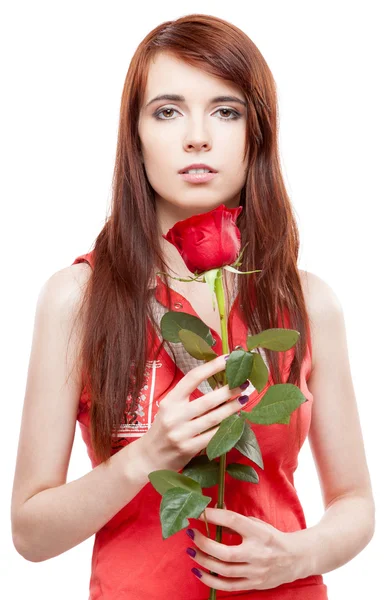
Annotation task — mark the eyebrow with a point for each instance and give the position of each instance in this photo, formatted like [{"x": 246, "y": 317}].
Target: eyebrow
[{"x": 178, "y": 98}]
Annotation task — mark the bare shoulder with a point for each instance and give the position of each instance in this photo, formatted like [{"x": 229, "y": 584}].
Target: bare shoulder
[
  {"x": 322, "y": 304},
  {"x": 73, "y": 277},
  {"x": 319, "y": 295},
  {"x": 58, "y": 305},
  {"x": 66, "y": 286}
]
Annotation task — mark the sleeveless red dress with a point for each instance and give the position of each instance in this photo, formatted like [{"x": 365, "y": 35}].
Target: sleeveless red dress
[{"x": 130, "y": 560}]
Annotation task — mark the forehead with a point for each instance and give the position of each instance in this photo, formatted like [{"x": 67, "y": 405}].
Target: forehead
[{"x": 169, "y": 74}]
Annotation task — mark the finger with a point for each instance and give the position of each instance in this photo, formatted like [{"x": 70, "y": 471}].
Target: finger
[
  {"x": 221, "y": 583},
  {"x": 214, "y": 417},
  {"x": 223, "y": 552},
  {"x": 218, "y": 566},
  {"x": 228, "y": 518},
  {"x": 212, "y": 400},
  {"x": 191, "y": 380},
  {"x": 226, "y": 529}
]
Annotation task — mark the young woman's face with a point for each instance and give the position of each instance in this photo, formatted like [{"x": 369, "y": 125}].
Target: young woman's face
[{"x": 177, "y": 133}]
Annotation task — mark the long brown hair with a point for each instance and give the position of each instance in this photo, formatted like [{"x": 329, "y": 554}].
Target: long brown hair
[{"x": 115, "y": 305}]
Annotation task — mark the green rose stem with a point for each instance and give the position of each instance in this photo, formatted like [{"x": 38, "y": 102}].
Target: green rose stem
[
  {"x": 224, "y": 336},
  {"x": 219, "y": 291}
]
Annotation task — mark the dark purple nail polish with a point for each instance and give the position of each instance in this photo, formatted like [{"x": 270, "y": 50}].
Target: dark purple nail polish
[
  {"x": 243, "y": 399},
  {"x": 191, "y": 533},
  {"x": 191, "y": 552},
  {"x": 196, "y": 572},
  {"x": 226, "y": 356},
  {"x": 244, "y": 385}
]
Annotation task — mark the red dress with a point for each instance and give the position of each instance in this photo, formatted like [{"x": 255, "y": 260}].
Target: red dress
[{"x": 130, "y": 559}]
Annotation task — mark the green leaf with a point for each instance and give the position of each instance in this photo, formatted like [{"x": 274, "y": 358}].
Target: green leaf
[
  {"x": 278, "y": 403},
  {"x": 212, "y": 382},
  {"x": 238, "y": 367},
  {"x": 229, "y": 268},
  {"x": 173, "y": 321},
  {"x": 243, "y": 472},
  {"x": 285, "y": 420},
  {"x": 259, "y": 374},
  {"x": 176, "y": 505},
  {"x": 238, "y": 259},
  {"x": 210, "y": 278},
  {"x": 203, "y": 470},
  {"x": 216, "y": 379},
  {"x": 188, "y": 279},
  {"x": 249, "y": 446},
  {"x": 196, "y": 346},
  {"x": 225, "y": 438},
  {"x": 278, "y": 339},
  {"x": 164, "y": 480}
]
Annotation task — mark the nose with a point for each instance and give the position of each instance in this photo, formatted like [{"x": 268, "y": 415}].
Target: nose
[
  {"x": 197, "y": 138},
  {"x": 196, "y": 145}
]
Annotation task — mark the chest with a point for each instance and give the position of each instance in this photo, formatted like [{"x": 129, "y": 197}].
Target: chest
[
  {"x": 204, "y": 304},
  {"x": 204, "y": 309},
  {"x": 200, "y": 298}
]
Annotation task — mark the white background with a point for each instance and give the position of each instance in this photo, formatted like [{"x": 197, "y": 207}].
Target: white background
[{"x": 63, "y": 68}]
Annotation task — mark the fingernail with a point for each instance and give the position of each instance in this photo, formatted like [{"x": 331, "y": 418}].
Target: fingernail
[
  {"x": 191, "y": 552},
  {"x": 196, "y": 572},
  {"x": 244, "y": 385},
  {"x": 243, "y": 399},
  {"x": 190, "y": 533},
  {"x": 226, "y": 356}
]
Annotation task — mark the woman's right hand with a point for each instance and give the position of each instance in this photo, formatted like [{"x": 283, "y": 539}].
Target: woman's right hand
[{"x": 182, "y": 428}]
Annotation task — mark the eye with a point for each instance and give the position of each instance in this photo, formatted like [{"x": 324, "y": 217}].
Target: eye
[
  {"x": 231, "y": 111},
  {"x": 235, "y": 114},
  {"x": 163, "y": 110}
]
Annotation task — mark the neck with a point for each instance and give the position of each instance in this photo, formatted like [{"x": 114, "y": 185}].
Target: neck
[{"x": 167, "y": 217}]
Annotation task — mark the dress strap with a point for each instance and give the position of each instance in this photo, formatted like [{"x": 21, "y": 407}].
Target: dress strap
[{"x": 89, "y": 258}]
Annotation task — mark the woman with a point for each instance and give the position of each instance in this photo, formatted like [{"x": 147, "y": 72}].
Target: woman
[{"x": 198, "y": 92}]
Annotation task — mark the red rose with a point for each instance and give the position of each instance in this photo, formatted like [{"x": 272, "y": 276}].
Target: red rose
[{"x": 209, "y": 240}]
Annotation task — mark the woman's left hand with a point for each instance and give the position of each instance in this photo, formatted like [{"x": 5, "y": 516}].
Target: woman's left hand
[{"x": 266, "y": 558}]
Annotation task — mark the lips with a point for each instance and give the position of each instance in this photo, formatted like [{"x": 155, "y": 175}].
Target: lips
[{"x": 197, "y": 166}]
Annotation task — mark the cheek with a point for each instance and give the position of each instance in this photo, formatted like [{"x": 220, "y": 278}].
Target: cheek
[
  {"x": 158, "y": 170},
  {"x": 234, "y": 160},
  {"x": 159, "y": 152},
  {"x": 156, "y": 151},
  {"x": 160, "y": 136},
  {"x": 231, "y": 139},
  {"x": 236, "y": 176}
]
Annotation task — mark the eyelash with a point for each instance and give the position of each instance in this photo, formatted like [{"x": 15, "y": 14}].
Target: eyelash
[{"x": 231, "y": 110}]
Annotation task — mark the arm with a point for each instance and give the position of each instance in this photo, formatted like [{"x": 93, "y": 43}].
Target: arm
[
  {"x": 343, "y": 532},
  {"x": 336, "y": 443},
  {"x": 57, "y": 519},
  {"x": 50, "y": 516}
]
